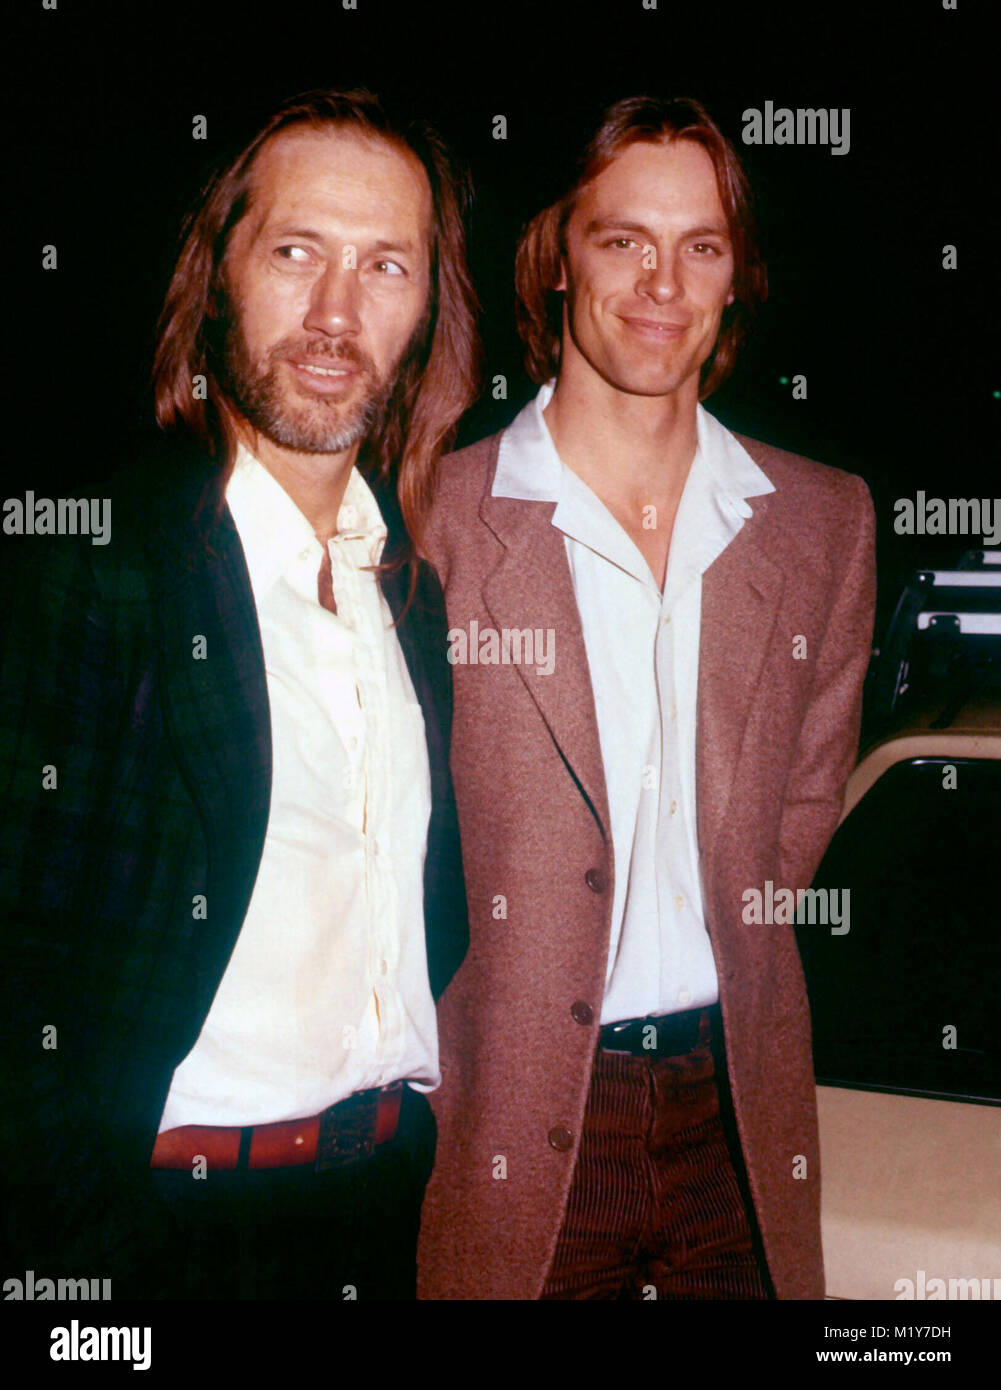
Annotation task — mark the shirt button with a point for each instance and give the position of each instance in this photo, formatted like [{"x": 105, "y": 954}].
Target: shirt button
[
  {"x": 684, "y": 996},
  {"x": 383, "y": 967},
  {"x": 375, "y": 846},
  {"x": 674, "y": 711},
  {"x": 674, "y": 807},
  {"x": 595, "y": 880},
  {"x": 581, "y": 1012},
  {"x": 679, "y": 901},
  {"x": 667, "y": 619},
  {"x": 353, "y": 741},
  {"x": 560, "y": 1138}
]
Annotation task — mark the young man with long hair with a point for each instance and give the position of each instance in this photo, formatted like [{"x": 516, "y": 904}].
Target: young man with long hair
[{"x": 630, "y": 1108}]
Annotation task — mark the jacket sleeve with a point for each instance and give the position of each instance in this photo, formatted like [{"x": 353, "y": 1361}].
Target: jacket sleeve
[
  {"x": 828, "y": 739},
  {"x": 68, "y": 1207}
]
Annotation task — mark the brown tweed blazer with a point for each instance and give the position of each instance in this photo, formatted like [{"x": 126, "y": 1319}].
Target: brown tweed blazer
[{"x": 776, "y": 737}]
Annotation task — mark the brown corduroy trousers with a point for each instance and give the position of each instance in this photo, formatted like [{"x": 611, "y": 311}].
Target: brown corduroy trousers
[{"x": 655, "y": 1207}]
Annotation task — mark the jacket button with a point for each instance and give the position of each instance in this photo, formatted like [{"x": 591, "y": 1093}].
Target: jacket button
[
  {"x": 581, "y": 1012},
  {"x": 595, "y": 880},
  {"x": 561, "y": 1138}
]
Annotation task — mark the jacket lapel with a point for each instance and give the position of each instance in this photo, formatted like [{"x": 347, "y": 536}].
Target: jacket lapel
[
  {"x": 215, "y": 700},
  {"x": 421, "y": 632},
  {"x": 531, "y": 588},
  {"x": 414, "y": 636},
  {"x": 395, "y": 585},
  {"x": 741, "y": 591}
]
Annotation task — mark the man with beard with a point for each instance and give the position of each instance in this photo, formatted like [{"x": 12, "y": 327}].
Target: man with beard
[{"x": 228, "y": 907}]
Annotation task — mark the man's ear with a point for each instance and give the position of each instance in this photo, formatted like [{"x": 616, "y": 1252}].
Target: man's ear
[{"x": 561, "y": 283}]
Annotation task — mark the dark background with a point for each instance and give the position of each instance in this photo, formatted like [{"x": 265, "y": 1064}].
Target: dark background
[{"x": 899, "y": 354}]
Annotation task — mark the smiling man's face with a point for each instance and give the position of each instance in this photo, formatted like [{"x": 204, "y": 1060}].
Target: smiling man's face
[
  {"x": 648, "y": 270},
  {"x": 326, "y": 281}
]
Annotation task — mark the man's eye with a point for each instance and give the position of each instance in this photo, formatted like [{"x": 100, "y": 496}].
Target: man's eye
[
  {"x": 706, "y": 248},
  {"x": 292, "y": 253},
  {"x": 621, "y": 242},
  {"x": 388, "y": 268}
]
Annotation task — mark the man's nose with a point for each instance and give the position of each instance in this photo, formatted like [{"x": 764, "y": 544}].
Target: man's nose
[
  {"x": 333, "y": 302},
  {"x": 660, "y": 277}
]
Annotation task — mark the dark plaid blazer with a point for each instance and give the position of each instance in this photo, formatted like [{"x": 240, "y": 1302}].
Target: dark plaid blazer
[{"x": 162, "y": 769}]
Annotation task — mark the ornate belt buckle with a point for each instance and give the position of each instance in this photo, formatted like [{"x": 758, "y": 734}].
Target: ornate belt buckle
[{"x": 347, "y": 1132}]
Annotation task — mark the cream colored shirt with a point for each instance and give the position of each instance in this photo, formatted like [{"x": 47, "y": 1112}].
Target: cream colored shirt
[
  {"x": 326, "y": 992},
  {"x": 643, "y": 657}
]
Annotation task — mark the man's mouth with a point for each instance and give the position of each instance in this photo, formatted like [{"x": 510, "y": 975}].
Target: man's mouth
[
  {"x": 315, "y": 369},
  {"x": 654, "y": 327},
  {"x": 329, "y": 378}
]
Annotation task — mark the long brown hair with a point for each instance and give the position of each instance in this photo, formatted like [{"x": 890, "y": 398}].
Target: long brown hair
[
  {"x": 436, "y": 383},
  {"x": 542, "y": 245}
]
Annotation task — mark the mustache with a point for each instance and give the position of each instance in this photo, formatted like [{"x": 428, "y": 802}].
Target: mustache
[{"x": 341, "y": 352}]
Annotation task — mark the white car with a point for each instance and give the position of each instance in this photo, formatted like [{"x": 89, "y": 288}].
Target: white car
[{"x": 905, "y": 1004}]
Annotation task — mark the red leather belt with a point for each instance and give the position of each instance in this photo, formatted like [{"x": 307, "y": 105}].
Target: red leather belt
[{"x": 344, "y": 1132}]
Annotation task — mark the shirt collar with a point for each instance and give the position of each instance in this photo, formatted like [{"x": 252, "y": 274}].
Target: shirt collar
[
  {"x": 275, "y": 534},
  {"x": 529, "y": 469},
  {"x": 712, "y": 510}
]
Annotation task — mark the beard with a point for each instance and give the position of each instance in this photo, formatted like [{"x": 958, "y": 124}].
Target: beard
[{"x": 307, "y": 424}]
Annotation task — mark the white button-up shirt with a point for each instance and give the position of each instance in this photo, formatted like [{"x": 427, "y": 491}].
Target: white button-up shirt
[
  {"x": 643, "y": 654},
  {"x": 326, "y": 992}
]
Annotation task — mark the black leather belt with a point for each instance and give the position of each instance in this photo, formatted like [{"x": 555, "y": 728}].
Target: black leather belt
[{"x": 658, "y": 1035}]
